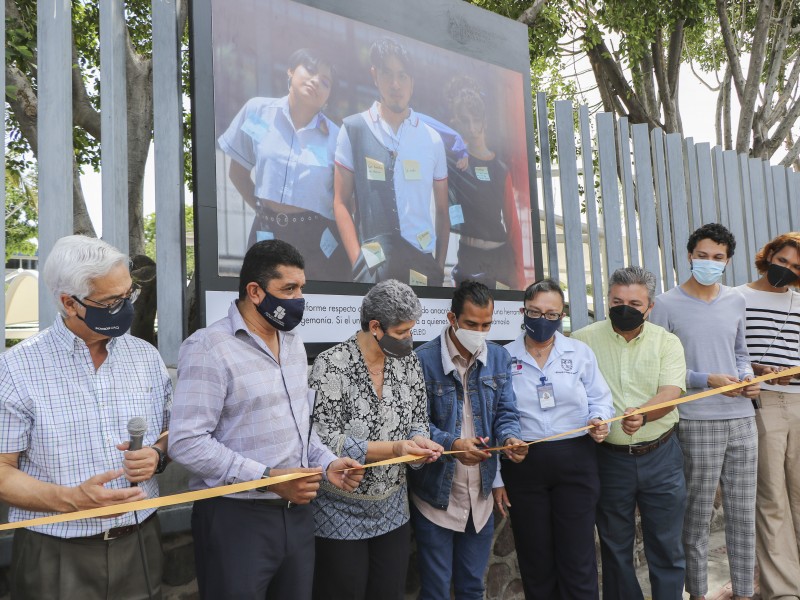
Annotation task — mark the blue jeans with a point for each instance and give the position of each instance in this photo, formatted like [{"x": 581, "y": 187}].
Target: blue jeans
[
  {"x": 446, "y": 555},
  {"x": 655, "y": 483}
]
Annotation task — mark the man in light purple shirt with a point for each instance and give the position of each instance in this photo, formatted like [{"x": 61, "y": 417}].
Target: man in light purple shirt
[{"x": 241, "y": 412}]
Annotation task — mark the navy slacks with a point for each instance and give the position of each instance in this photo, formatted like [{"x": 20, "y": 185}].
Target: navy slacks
[{"x": 553, "y": 495}]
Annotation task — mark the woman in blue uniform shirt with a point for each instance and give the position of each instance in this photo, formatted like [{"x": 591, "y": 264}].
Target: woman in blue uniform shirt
[
  {"x": 288, "y": 144},
  {"x": 551, "y": 495}
]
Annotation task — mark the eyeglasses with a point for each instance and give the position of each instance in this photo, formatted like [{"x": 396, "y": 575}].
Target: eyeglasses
[
  {"x": 115, "y": 306},
  {"x": 537, "y": 314}
]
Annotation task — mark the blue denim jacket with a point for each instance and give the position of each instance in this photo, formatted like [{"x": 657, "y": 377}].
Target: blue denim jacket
[{"x": 494, "y": 409}]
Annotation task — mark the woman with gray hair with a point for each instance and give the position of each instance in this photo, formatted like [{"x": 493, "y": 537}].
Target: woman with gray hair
[{"x": 371, "y": 405}]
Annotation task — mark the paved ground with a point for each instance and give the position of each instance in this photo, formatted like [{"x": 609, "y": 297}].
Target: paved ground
[{"x": 719, "y": 587}]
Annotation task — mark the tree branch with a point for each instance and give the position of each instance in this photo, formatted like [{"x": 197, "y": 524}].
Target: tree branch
[
  {"x": 784, "y": 127},
  {"x": 659, "y": 67},
  {"x": 776, "y": 57},
  {"x": 730, "y": 47},
  {"x": 24, "y": 105},
  {"x": 84, "y": 114},
  {"x": 674, "y": 55},
  {"x": 792, "y": 154},
  {"x": 530, "y": 14},
  {"x": 754, "y": 71},
  {"x": 608, "y": 69}
]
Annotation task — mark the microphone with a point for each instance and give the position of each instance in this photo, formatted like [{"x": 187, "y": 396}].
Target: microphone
[{"x": 136, "y": 428}]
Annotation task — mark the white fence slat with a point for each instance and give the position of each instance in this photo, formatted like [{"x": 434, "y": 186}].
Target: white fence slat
[
  {"x": 758, "y": 197},
  {"x": 692, "y": 185},
  {"x": 705, "y": 177},
  {"x": 547, "y": 184},
  {"x": 114, "y": 124},
  {"x": 571, "y": 206},
  {"x": 168, "y": 141},
  {"x": 772, "y": 207},
  {"x": 720, "y": 191},
  {"x": 781, "y": 199},
  {"x": 54, "y": 67},
  {"x": 747, "y": 209},
  {"x": 663, "y": 213},
  {"x": 738, "y": 265},
  {"x": 677, "y": 194},
  {"x": 609, "y": 192},
  {"x": 645, "y": 200},
  {"x": 591, "y": 214},
  {"x": 628, "y": 195}
]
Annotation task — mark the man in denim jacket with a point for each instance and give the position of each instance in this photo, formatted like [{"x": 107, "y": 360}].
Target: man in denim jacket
[{"x": 471, "y": 405}]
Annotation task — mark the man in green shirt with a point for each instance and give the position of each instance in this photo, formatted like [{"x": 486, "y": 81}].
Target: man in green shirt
[{"x": 641, "y": 461}]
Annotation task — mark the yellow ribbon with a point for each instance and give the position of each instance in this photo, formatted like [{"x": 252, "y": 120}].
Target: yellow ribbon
[{"x": 269, "y": 481}]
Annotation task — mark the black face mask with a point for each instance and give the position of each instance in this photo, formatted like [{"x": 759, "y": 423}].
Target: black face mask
[
  {"x": 393, "y": 347},
  {"x": 625, "y": 318},
  {"x": 284, "y": 314},
  {"x": 780, "y": 276},
  {"x": 540, "y": 330},
  {"x": 103, "y": 322}
]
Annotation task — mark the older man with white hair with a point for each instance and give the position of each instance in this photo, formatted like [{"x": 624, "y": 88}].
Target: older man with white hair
[{"x": 66, "y": 397}]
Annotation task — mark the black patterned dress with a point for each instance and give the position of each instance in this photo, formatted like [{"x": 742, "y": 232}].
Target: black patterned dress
[{"x": 347, "y": 414}]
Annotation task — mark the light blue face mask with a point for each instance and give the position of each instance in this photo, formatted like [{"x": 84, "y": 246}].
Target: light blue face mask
[{"x": 707, "y": 272}]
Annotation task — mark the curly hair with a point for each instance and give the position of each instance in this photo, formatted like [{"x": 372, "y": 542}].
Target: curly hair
[
  {"x": 766, "y": 253},
  {"x": 464, "y": 93},
  {"x": 390, "y": 303},
  {"x": 716, "y": 233}
]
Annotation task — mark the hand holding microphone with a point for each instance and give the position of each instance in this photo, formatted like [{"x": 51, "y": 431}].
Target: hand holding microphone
[{"x": 140, "y": 463}]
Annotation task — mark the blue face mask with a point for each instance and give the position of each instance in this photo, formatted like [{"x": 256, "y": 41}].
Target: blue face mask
[
  {"x": 101, "y": 321},
  {"x": 707, "y": 272},
  {"x": 540, "y": 330},
  {"x": 284, "y": 314}
]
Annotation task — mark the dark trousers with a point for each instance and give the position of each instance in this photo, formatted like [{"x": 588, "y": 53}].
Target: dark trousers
[
  {"x": 656, "y": 484},
  {"x": 44, "y": 567},
  {"x": 488, "y": 267},
  {"x": 553, "y": 495},
  {"x": 446, "y": 556},
  {"x": 369, "y": 569},
  {"x": 245, "y": 550},
  {"x": 401, "y": 258}
]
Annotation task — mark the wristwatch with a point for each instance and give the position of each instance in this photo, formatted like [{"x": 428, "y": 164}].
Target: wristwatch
[
  {"x": 644, "y": 419},
  {"x": 265, "y": 475},
  {"x": 162, "y": 460}
]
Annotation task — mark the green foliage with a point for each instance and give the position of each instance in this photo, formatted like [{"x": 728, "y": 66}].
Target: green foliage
[
  {"x": 150, "y": 238},
  {"x": 21, "y": 214},
  {"x": 21, "y": 49}
]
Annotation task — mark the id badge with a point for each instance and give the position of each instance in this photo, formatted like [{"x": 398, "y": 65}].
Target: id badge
[{"x": 547, "y": 398}]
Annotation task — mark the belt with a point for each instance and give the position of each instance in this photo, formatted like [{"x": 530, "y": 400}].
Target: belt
[
  {"x": 285, "y": 219},
  {"x": 480, "y": 244},
  {"x": 641, "y": 448},
  {"x": 116, "y": 532}
]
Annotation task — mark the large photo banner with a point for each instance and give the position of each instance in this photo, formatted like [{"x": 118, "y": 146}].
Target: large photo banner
[{"x": 376, "y": 154}]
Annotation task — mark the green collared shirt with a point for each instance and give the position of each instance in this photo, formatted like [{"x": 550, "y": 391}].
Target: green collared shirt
[{"x": 635, "y": 370}]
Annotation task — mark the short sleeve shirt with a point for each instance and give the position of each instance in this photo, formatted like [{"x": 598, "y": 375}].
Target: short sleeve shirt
[
  {"x": 635, "y": 370},
  {"x": 292, "y": 166}
]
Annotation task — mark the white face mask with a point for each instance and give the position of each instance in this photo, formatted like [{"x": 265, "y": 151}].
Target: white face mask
[{"x": 471, "y": 340}]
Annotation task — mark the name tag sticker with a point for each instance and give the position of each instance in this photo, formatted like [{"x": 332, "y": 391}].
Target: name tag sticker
[
  {"x": 263, "y": 236},
  {"x": 456, "y": 215},
  {"x": 424, "y": 239},
  {"x": 255, "y": 128},
  {"x": 411, "y": 170},
  {"x": 547, "y": 398},
  {"x": 373, "y": 254},
  {"x": 328, "y": 243},
  {"x": 375, "y": 169},
  {"x": 482, "y": 173},
  {"x": 416, "y": 278}
]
